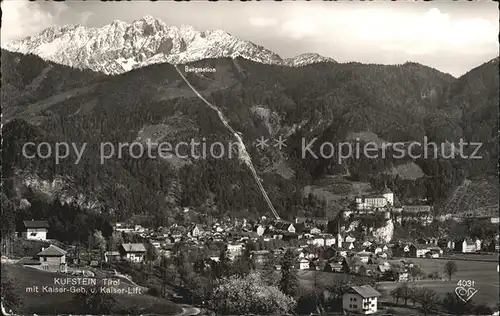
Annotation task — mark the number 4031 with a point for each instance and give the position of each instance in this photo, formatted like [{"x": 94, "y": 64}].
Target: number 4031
[{"x": 465, "y": 283}]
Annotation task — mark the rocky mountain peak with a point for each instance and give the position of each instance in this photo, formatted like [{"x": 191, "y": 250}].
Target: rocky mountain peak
[
  {"x": 120, "y": 46},
  {"x": 307, "y": 59}
]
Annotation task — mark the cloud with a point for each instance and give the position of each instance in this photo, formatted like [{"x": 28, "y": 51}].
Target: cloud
[
  {"x": 23, "y": 18},
  {"x": 85, "y": 16},
  {"x": 428, "y": 33},
  {"x": 299, "y": 28},
  {"x": 263, "y": 21}
]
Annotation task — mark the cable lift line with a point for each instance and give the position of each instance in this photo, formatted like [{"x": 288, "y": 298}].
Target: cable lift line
[{"x": 243, "y": 152}]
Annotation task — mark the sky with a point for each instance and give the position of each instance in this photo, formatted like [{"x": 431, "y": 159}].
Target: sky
[{"x": 451, "y": 37}]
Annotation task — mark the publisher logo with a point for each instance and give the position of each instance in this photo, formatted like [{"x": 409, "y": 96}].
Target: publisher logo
[{"x": 465, "y": 290}]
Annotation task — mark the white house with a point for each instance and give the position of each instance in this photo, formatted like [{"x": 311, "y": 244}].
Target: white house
[
  {"x": 469, "y": 245},
  {"x": 123, "y": 227},
  {"x": 348, "y": 245},
  {"x": 53, "y": 258},
  {"x": 196, "y": 231},
  {"x": 329, "y": 241},
  {"x": 259, "y": 229},
  {"x": 349, "y": 238},
  {"x": 235, "y": 249},
  {"x": 360, "y": 299},
  {"x": 315, "y": 231},
  {"x": 317, "y": 241},
  {"x": 133, "y": 252},
  {"x": 303, "y": 264},
  {"x": 284, "y": 226},
  {"x": 35, "y": 230},
  {"x": 370, "y": 202},
  {"x": 364, "y": 256},
  {"x": 367, "y": 243}
]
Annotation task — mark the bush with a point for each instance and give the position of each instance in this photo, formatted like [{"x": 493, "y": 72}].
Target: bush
[{"x": 154, "y": 291}]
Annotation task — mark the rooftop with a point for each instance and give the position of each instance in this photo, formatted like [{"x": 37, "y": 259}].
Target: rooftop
[
  {"x": 365, "y": 291},
  {"x": 36, "y": 224},
  {"x": 52, "y": 251},
  {"x": 134, "y": 247}
]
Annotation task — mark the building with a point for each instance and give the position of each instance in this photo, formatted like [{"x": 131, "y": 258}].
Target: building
[
  {"x": 367, "y": 243},
  {"x": 364, "y": 256},
  {"x": 35, "y": 230},
  {"x": 196, "y": 231},
  {"x": 133, "y": 252},
  {"x": 260, "y": 256},
  {"x": 259, "y": 229},
  {"x": 53, "y": 259},
  {"x": 403, "y": 276},
  {"x": 349, "y": 238},
  {"x": 360, "y": 299},
  {"x": 284, "y": 226},
  {"x": 419, "y": 250},
  {"x": 447, "y": 244},
  {"x": 123, "y": 227},
  {"x": 329, "y": 240},
  {"x": 110, "y": 256},
  {"x": 468, "y": 245},
  {"x": 316, "y": 241},
  {"x": 323, "y": 222},
  {"x": 235, "y": 249},
  {"x": 347, "y": 245},
  {"x": 304, "y": 264},
  {"x": 315, "y": 231}
]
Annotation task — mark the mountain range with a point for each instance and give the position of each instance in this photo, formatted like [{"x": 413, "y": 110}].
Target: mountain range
[
  {"x": 97, "y": 100},
  {"x": 119, "y": 47}
]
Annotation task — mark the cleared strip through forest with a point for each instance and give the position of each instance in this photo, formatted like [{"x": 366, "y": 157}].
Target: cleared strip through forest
[{"x": 242, "y": 150}]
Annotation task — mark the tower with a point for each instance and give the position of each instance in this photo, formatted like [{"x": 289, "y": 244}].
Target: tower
[
  {"x": 339, "y": 237},
  {"x": 388, "y": 195}
]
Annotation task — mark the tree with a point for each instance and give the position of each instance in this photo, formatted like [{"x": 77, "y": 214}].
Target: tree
[
  {"x": 268, "y": 272},
  {"x": 455, "y": 305},
  {"x": 450, "y": 268},
  {"x": 180, "y": 265},
  {"x": 396, "y": 293},
  {"x": 405, "y": 292},
  {"x": 307, "y": 303},
  {"x": 249, "y": 295},
  {"x": 243, "y": 264},
  {"x": 166, "y": 275},
  {"x": 416, "y": 272},
  {"x": 390, "y": 275},
  {"x": 428, "y": 300},
  {"x": 100, "y": 244},
  {"x": 94, "y": 301},
  {"x": 289, "y": 281},
  {"x": 223, "y": 265},
  {"x": 337, "y": 289},
  {"x": 327, "y": 268},
  {"x": 413, "y": 294},
  {"x": 151, "y": 253},
  {"x": 482, "y": 310}
]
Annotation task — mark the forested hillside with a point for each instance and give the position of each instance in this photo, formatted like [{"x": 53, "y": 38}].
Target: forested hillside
[{"x": 328, "y": 100}]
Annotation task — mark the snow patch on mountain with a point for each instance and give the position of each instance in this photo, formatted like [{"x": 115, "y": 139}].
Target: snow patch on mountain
[
  {"x": 120, "y": 47},
  {"x": 307, "y": 59}
]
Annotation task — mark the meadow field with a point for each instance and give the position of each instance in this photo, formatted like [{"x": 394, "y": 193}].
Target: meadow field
[
  {"x": 484, "y": 274},
  {"x": 308, "y": 278}
]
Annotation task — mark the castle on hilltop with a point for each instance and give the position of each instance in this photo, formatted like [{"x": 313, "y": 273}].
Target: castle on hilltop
[{"x": 375, "y": 201}]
